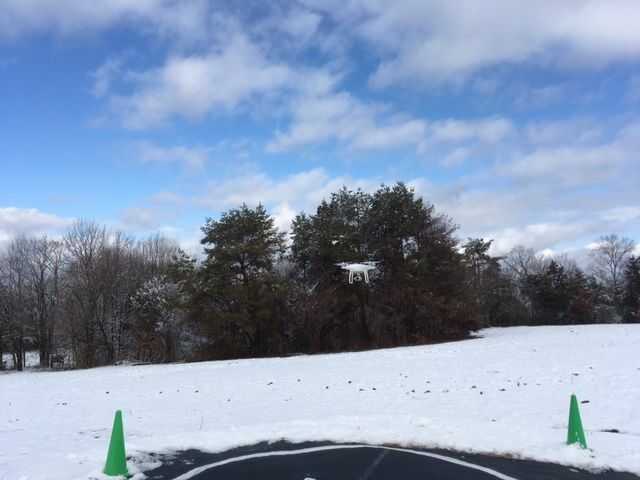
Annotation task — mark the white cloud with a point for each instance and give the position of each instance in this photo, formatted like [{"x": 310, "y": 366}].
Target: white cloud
[
  {"x": 464, "y": 137},
  {"x": 193, "y": 158},
  {"x": 566, "y": 131},
  {"x": 539, "y": 236},
  {"x": 300, "y": 189},
  {"x": 592, "y": 245},
  {"x": 104, "y": 76},
  {"x": 153, "y": 216},
  {"x": 423, "y": 42},
  {"x": 255, "y": 188},
  {"x": 572, "y": 163},
  {"x": 169, "y": 198},
  {"x": 439, "y": 40},
  {"x": 486, "y": 85},
  {"x": 29, "y": 221},
  {"x": 395, "y": 134},
  {"x": 339, "y": 116},
  {"x": 569, "y": 165},
  {"x": 570, "y": 235},
  {"x": 298, "y": 25},
  {"x": 240, "y": 71},
  {"x": 481, "y": 209},
  {"x": 186, "y": 19},
  {"x": 456, "y": 157},
  {"x": 486, "y": 130},
  {"x": 623, "y": 214},
  {"x": 540, "y": 97},
  {"x": 537, "y": 215},
  {"x": 284, "y": 197},
  {"x": 140, "y": 218},
  {"x": 192, "y": 86},
  {"x": 324, "y": 114}
]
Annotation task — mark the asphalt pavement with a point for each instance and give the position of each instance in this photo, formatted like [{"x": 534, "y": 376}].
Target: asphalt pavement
[{"x": 326, "y": 461}]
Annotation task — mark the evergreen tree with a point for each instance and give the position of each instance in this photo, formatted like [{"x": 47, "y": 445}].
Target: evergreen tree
[
  {"x": 416, "y": 293},
  {"x": 423, "y": 273},
  {"x": 631, "y": 299},
  {"x": 238, "y": 286},
  {"x": 302, "y": 249},
  {"x": 561, "y": 296},
  {"x": 337, "y": 232}
]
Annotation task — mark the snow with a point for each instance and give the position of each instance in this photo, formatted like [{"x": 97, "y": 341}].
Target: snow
[{"x": 56, "y": 425}]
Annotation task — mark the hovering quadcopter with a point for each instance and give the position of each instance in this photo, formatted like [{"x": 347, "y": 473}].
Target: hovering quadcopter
[{"x": 358, "y": 271}]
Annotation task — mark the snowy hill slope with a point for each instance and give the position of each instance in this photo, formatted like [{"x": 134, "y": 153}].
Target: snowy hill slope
[{"x": 507, "y": 393}]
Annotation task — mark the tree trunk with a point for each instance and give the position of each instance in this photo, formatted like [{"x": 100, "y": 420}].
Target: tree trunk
[
  {"x": 89, "y": 356},
  {"x": 43, "y": 342},
  {"x": 18, "y": 353},
  {"x": 364, "y": 325}
]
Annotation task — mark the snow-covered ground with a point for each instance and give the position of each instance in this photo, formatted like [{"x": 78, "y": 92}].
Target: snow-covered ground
[{"x": 505, "y": 393}]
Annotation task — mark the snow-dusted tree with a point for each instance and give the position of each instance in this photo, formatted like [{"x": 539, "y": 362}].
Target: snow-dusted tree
[{"x": 157, "y": 318}]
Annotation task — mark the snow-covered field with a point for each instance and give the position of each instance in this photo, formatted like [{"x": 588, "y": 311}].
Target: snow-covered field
[{"x": 505, "y": 393}]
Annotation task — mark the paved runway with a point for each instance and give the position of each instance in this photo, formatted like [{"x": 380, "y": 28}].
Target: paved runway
[{"x": 324, "y": 461}]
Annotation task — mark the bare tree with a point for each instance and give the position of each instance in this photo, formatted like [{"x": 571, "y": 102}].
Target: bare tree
[
  {"x": 85, "y": 244},
  {"x": 521, "y": 261},
  {"x": 17, "y": 308},
  {"x": 157, "y": 252},
  {"x": 519, "y": 264},
  {"x": 608, "y": 259},
  {"x": 4, "y": 319},
  {"x": 121, "y": 273},
  {"x": 43, "y": 259}
]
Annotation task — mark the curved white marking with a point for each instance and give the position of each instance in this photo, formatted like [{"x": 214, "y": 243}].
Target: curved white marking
[{"x": 281, "y": 453}]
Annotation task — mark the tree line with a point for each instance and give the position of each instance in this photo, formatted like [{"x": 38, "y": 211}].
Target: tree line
[{"x": 98, "y": 297}]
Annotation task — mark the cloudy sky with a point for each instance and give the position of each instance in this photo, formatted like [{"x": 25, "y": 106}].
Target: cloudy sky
[{"x": 519, "y": 119}]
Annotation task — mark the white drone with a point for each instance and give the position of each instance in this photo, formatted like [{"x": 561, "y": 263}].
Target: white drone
[{"x": 358, "y": 271}]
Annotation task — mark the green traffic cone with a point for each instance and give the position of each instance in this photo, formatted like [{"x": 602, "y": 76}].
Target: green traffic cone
[
  {"x": 576, "y": 432},
  {"x": 116, "y": 457}
]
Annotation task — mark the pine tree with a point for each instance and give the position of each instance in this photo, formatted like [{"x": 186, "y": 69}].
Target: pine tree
[
  {"x": 238, "y": 285},
  {"x": 631, "y": 298},
  {"x": 562, "y": 295},
  {"x": 302, "y": 248},
  {"x": 417, "y": 292}
]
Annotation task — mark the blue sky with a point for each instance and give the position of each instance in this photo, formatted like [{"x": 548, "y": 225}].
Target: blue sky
[{"x": 517, "y": 119}]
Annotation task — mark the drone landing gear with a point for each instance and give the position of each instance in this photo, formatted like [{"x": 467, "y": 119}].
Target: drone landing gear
[{"x": 357, "y": 277}]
